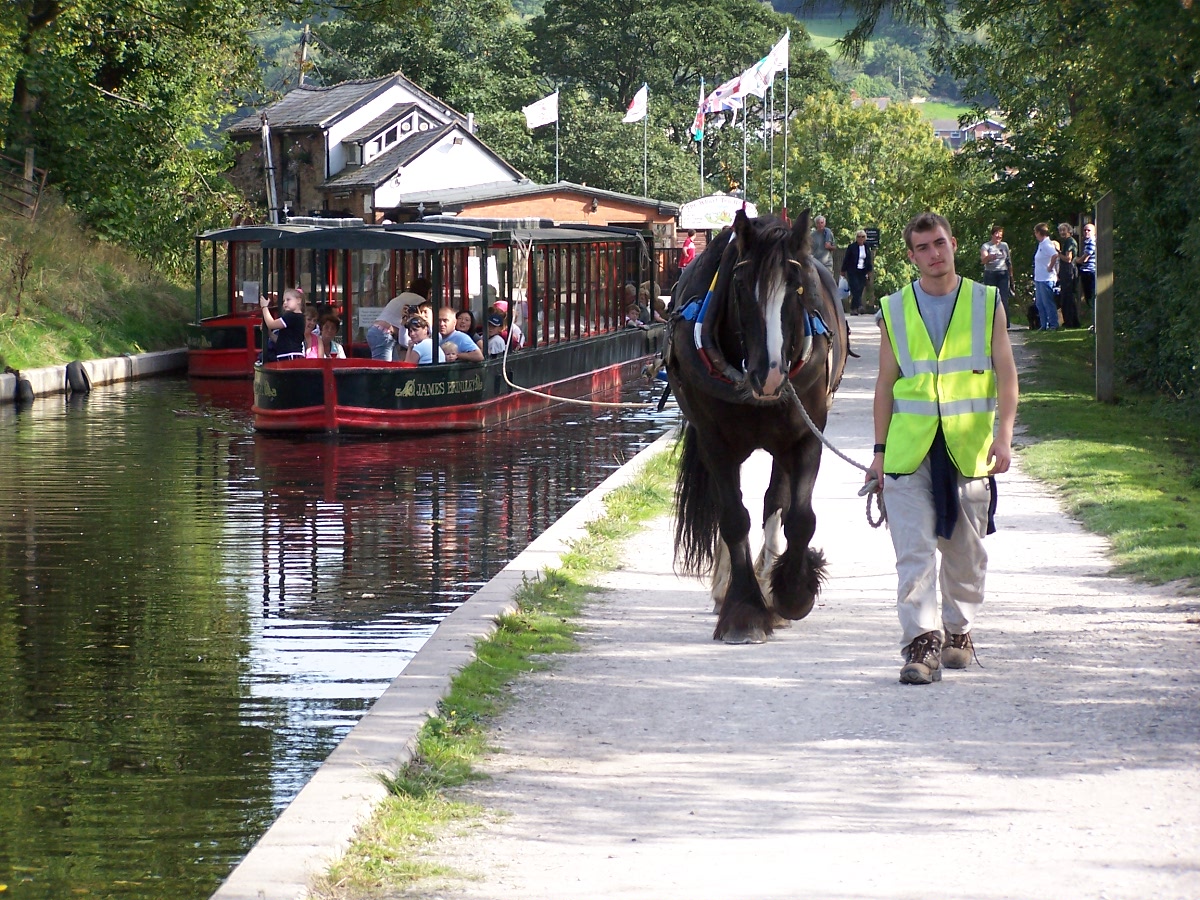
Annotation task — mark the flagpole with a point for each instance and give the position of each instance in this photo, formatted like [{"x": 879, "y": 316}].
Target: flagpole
[
  {"x": 702, "y": 129},
  {"x": 771, "y": 137},
  {"x": 556, "y": 149},
  {"x": 783, "y": 208},
  {"x": 745, "y": 191},
  {"x": 645, "y": 152}
]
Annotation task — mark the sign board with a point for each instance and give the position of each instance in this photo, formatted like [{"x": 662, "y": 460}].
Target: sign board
[
  {"x": 712, "y": 213},
  {"x": 872, "y": 238}
]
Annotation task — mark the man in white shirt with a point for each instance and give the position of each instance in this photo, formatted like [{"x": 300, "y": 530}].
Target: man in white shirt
[{"x": 1044, "y": 278}]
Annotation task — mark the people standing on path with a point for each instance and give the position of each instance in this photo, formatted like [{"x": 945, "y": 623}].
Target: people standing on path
[
  {"x": 997, "y": 267},
  {"x": 1044, "y": 278},
  {"x": 946, "y": 369},
  {"x": 1087, "y": 267},
  {"x": 857, "y": 265},
  {"x": 822, "y": 243},
  {"x": 1068, "y": 249}
]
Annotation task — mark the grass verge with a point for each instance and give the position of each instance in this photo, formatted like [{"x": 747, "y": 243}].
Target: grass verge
[
  {"x": 1129, "y": 471},
  {"x": 386, "y": 855},
  {"x": 66, "y": 296}
]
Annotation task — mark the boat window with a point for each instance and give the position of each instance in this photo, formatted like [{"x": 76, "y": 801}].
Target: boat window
[
  {"x": 247, "y": 273},
  {"x": 370, "y": 288}
]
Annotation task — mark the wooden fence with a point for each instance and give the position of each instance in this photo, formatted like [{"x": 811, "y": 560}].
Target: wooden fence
[{"x": 19, "y": 194}]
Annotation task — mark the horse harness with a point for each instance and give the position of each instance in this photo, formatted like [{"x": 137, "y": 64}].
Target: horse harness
[{"x": 697, "y": 311}]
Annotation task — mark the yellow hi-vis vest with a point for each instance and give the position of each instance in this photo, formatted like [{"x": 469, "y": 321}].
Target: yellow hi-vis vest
[{"x": 956, "y": 387}]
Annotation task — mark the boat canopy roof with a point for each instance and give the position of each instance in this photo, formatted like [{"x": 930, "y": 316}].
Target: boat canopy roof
[
  {"x": 373, "y": 237},
  {"x": 251, "y": 232},
  {"x": 417, "y": 235}
]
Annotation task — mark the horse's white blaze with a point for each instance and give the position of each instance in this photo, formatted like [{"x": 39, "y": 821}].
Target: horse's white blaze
[{"x": 772, "y": 308}]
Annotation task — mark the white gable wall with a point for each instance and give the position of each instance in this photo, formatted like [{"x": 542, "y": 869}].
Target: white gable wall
[
  {"x": 369, "y": 112},
  {"x": 443, "y": 165}
]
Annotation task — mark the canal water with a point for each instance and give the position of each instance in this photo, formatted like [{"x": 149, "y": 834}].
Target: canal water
[{"x": 192, "y": 615}]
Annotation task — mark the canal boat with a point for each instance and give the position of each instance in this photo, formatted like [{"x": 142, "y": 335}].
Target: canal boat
[{"x": 562, "y": 286}]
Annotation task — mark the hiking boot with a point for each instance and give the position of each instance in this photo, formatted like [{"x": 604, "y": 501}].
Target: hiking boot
[
  {"x": 923, "y": 659},
  {"x": 957, "y": 651}
]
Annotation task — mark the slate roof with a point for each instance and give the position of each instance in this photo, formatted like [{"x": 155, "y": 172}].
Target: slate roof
[
  {"x": 314, "y": 106},
  {"x": 384, "y": 166},
  {"x": 391, "y": 117}
]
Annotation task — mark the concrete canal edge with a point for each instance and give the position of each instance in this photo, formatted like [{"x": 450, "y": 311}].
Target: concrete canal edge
[
  {"x": 318, "y": 825},
  {"x": 54, "y": 380}
]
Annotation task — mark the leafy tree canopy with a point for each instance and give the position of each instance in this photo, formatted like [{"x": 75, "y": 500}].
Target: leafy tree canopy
[{"x": 863, "y": 166}]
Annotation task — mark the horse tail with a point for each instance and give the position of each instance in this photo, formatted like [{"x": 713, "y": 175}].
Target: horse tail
[{"x": 697, "y": 515}]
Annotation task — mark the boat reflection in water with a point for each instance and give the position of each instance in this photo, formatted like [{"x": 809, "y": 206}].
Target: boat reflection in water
[{"x": 192, "y": 615}]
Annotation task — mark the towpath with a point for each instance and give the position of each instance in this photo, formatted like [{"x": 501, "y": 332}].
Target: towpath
[{"x": 658, "y": 764}]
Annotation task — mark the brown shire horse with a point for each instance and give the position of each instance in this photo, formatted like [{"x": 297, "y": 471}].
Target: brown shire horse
[{"x": 755, "y": 331}]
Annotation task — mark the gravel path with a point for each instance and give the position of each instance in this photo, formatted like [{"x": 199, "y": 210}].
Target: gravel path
[{"x": 659, "y": 764}]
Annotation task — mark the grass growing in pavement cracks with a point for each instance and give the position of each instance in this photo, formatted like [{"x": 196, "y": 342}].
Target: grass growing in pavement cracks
[
  {"x": 386, "y": 855},
  {"x": 1129, "y": 471}
]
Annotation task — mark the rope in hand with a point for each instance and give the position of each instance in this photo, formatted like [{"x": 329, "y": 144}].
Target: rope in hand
[{"x": 871, "y": 489}]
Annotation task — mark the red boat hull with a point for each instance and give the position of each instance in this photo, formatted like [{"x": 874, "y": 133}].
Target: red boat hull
[{"x": 365, "y": 396}]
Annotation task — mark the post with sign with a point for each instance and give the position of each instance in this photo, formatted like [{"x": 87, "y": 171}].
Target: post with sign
[{"x": 1105, "y": 344}]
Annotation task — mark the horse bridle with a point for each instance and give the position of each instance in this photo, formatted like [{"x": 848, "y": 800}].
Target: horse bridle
[{"x": 736, "y": 307}]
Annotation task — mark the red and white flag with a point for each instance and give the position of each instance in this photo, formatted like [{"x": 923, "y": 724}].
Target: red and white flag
[{"x": 638, "y": 106}]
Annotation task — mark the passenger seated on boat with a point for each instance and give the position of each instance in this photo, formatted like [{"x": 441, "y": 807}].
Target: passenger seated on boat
[
  {"x": 289, "y": 327},
  {"x": 496, "y": 336},
  {"x": 649, "y": 303},
  {"x": 514, "y": 329},
  {"x": 466, "y": 324},
  {"x": 467, "y": 351},
  {"x": 312, "y": 331},
  {"x": 450, "y": 351},
  {"x": 420, "y": 350},
  {"x": 331, "y": 325}
]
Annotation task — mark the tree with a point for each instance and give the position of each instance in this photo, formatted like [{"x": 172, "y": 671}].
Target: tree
[
  {"x": 861, "y": 166},
  {"x": 899, "y": 65},
  {"x": 122, "y": 102},
  {"x": 1098, "y": 95}
]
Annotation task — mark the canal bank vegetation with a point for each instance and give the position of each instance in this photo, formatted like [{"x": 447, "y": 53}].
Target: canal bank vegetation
[
  {"x": 387, "y": 854},
  {"x": 1129, "y": 471},
  {"x": 65, "y": 295}
]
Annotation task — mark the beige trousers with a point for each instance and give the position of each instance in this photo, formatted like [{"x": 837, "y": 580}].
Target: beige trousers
[{"x": 912, "y": 523}]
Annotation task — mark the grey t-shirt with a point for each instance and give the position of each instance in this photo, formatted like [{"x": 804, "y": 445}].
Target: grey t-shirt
[
  {"x": 820, "y": 252},
  {"x": 935, "y": 313}
]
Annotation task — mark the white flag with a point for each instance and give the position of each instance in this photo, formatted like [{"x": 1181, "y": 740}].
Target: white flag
[
  {"x": 638, "y": 106},
  {"x": 543, "y": 112},
  {"x": 757, "y": 79}
]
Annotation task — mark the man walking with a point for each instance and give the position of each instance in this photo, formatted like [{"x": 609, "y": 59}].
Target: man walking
[
  {"x": 822, "y": 243},
  {"x": 945, "y": 369}
]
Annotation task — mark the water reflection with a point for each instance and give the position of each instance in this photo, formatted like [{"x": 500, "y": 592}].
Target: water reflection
[{"x": 191, "y": 616}]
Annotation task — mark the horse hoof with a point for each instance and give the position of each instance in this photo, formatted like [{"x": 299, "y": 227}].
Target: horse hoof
[{"x": 745, "y": 636}]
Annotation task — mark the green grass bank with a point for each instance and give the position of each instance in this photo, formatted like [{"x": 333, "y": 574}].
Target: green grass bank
[
  {"x": 1129, "y": 470},
  {"x": 66, "y": 296}
]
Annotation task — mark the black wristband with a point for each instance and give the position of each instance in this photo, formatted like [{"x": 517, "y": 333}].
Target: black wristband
[{"x": 879, "y": 448}]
